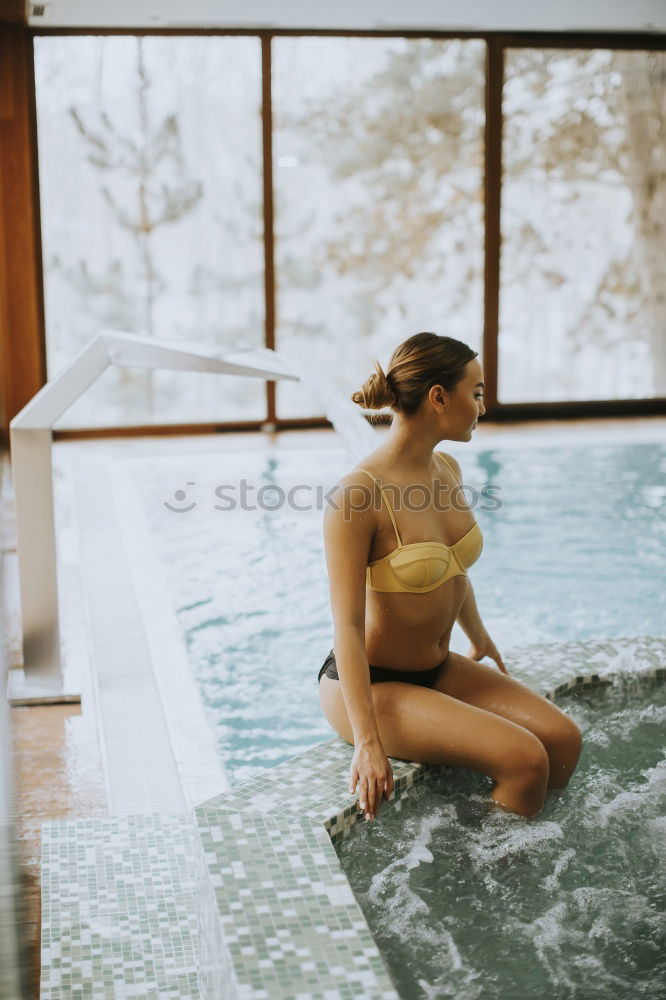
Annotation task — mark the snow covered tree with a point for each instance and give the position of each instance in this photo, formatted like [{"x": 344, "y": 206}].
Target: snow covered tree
[
  {"x": 151, "y": 165},
  {"x": 574, "y": 120},
  {"x": 155, "y": 164}
]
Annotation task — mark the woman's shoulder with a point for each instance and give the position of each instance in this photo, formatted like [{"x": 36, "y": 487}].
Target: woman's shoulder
[
  {"x": 372, "y": 466},
  {"x": 451, "y": 462},
  {"x": 345, "y": 494},
  {"x": 357, "y": 488}
]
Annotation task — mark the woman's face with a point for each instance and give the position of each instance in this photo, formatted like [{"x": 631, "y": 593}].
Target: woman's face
[{"x": 466, "y": 402}]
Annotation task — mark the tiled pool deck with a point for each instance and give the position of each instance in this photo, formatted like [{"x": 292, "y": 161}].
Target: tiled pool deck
[{"x": 245, "y": 897}]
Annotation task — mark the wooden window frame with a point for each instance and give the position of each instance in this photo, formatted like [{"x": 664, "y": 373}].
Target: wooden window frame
[{"x": 22, "y": 322}]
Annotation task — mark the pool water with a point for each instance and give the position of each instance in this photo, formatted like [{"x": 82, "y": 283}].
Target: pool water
[
  {"x": 576, "y": 551},
  {"x": 468, "y": 901}
]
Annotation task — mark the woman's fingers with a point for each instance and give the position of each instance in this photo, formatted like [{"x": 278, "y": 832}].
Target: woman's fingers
[
  {"x": 374, "y": 779},
  {"x": 379, "y": 788},
  {"x": 363, "y": 793},
  {"x": 368, "y": 797},
  {"x": 371, "y": 800},
  {"x": 500, "y": 663}
]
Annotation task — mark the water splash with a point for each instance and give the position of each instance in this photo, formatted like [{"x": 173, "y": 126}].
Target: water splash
[{"x": 565, "y": 905}]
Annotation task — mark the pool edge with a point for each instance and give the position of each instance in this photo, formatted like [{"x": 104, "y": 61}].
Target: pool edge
[{"x": 262, "y": 813}]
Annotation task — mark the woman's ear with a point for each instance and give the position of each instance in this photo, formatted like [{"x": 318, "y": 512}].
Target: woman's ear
[{"x": 437, "y": 395}]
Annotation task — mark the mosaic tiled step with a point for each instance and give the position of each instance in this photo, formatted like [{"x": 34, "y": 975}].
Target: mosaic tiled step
[
  {"x": 130, "y": 909},
  {"x": 554, "y": 666},
  {"x": 119, "y": 911},
  {"x": 292, "y": 927},
  {"x": 251, "y": 896},
  {"x": 287, "y": 914}
]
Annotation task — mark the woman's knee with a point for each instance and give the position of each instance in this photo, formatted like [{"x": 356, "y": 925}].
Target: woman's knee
[
  {"x": 522, "y": 783},
  {"x": 527, "y": 762},
  {"x": 563, "y": 743}
]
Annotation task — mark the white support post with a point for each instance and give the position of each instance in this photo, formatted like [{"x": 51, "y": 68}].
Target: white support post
[{"x": 36, "y": 548}]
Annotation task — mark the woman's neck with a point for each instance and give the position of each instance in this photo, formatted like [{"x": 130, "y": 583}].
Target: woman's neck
[{"x": 410, "y": 445}]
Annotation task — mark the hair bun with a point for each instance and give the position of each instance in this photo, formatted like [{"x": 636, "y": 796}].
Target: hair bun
[
  {"x": 420, "y": 362},
  {"x": 375, "y": 391}
]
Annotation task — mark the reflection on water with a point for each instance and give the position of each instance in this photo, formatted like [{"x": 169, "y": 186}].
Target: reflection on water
[{"x": 470, "y": 902}]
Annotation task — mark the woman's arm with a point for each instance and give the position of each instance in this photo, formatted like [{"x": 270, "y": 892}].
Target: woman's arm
[
  {"x": 349, "y": 527},
  {"x": 352, "y": 664},
  {"x": 470, "y": 622},
  {"x": 469, "y": 618}
]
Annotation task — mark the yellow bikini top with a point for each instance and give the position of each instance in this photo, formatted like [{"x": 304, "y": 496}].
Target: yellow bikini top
[{"x": 422, "y": 566}]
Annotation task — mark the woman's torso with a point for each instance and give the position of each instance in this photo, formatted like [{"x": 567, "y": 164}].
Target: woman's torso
[{"x": 411, "y": 631}]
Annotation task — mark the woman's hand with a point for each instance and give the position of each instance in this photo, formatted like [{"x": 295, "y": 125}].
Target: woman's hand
[
  {"x": 484, "y": 646},
  {"x": 370, "y": 769}
]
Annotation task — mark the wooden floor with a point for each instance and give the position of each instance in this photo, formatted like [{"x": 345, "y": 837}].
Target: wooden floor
[
  {"x": 58, "y": 764},
  {"x": 58, "y": 775}
]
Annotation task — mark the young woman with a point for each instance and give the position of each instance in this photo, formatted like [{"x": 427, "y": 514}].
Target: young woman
[{"x": 399, "y": 540}]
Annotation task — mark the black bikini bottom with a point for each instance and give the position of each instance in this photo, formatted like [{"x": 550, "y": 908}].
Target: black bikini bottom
[{"x": 425, "y": 678}]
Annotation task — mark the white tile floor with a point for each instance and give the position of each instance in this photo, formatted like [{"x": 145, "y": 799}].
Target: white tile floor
[{"x": 141, "y": 769}]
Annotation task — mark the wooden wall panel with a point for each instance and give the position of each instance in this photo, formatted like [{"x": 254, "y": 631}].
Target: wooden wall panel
[{"x": 22, "y": 354}]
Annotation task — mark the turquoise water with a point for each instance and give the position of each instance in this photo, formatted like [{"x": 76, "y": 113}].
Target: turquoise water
[
  {"x": 475, "y": 904},
  {"x": 575, "y": 552}
]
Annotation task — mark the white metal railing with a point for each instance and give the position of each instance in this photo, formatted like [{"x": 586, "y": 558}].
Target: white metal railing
[{"x": 41, "y": 679}]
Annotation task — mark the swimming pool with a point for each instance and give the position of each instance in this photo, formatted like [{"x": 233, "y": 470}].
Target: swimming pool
[
  {"x": 575, "y": 552},
  {"x": 471, "y": 903}
]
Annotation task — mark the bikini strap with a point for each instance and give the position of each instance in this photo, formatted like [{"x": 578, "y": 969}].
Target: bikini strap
[
  {"x": 447, "y": 463},
  {"x": 385, "y": 499}
]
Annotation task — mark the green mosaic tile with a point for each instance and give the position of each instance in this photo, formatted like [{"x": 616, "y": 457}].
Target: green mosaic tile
[
  {"x": 119, "y": 912},
  {"x": 246, "y": 899}
]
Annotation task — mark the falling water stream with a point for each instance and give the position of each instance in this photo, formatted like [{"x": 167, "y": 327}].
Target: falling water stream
[{"x": 356, "y": 434}]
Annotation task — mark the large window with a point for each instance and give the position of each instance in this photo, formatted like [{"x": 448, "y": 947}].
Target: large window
[
  {"x": 378, "y": 148},
  {"x": 151, "y": 154},
  {"x": 583, "y": 266},
  {"x": 152, "y": 219}
]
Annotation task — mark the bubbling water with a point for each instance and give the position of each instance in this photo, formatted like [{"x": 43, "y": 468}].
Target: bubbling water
[{"x": 467, "y": 901}]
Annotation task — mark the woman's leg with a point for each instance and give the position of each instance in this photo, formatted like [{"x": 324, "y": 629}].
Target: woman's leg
[
  {"x": 424, "y": 725},
  {"x": 487, "y": 688}
]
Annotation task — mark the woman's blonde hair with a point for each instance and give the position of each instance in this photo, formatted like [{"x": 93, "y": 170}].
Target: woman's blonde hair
[{"x": 424, "y": 360}]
